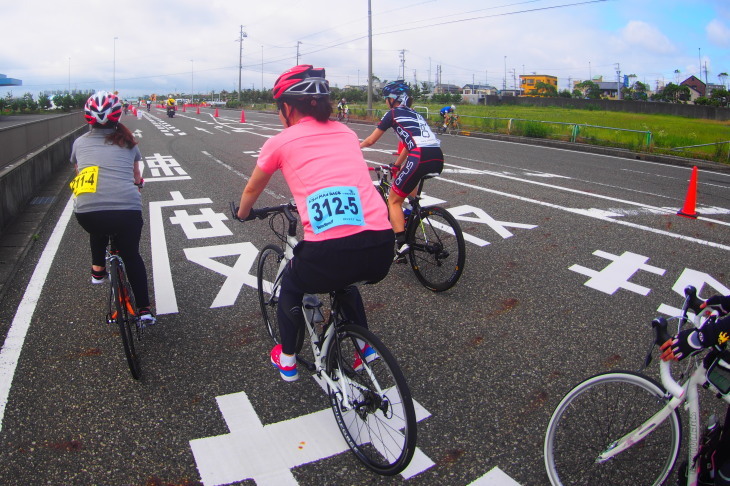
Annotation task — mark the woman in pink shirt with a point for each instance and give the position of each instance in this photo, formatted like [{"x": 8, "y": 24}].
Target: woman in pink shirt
[{"x": 320, "y": 159}]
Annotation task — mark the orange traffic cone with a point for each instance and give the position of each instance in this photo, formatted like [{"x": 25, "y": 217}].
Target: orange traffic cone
[
  {"x": 688, "y": 211},
  {"x": 198, "y": 110},
  {"x": 243, "y": 117},
  {"x": 216, "y": 113}
]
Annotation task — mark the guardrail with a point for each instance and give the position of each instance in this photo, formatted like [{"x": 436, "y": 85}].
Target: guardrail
[{"x": 20, "y": 140}]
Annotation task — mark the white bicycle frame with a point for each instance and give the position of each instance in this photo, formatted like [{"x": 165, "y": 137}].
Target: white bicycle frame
[
  {"x": 320, "y": 352},
  {"x": 687, "y": 394}
]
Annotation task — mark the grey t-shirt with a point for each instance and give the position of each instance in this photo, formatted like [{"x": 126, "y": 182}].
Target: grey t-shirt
[{"x": 115, "y": 189}]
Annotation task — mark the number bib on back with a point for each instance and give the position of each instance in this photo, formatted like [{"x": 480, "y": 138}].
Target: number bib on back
[
  {"x": 85, "y": 181},
  {"x": 334, "y": 206}
]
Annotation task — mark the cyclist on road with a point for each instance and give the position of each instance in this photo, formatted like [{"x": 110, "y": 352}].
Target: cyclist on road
[
  {"x": 149, "y": 104},
  {"x": 320, "y": 160},
  {"x": 421, "y": 154},
  {"x": 691, "y": 341},
  {"x": 342, "y": 109},
  {"x": 107, "y": 194},
  {"x": 446, "y": 113}
]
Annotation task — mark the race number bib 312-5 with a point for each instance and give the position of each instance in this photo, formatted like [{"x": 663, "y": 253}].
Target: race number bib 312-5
[
  {"x": 86, "y": 180},
  {"x": 334, "y": 206}
]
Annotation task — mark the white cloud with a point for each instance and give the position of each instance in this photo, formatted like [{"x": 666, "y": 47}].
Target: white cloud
[
  {"x": 718, "y": 33},
  {"x": 638, "y": 34}
]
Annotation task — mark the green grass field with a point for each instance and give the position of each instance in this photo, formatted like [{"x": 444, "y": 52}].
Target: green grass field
[{"x": 667, "y": 132}]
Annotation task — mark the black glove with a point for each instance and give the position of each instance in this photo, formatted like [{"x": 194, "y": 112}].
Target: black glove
[
  {"x": 719, "y": 303},
  {"x": 686, "y": 343}
]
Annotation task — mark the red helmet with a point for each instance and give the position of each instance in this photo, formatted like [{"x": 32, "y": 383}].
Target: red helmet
[
  {"x": 102, "y": 108},
  {"x": 301, "y": 81}
]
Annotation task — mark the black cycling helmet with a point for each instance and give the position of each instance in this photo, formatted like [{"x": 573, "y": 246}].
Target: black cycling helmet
[{"x": 398, "y": 90}]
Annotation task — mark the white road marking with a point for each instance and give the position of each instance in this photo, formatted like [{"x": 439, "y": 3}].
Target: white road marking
[
  {"x": 267, "y": 453},
  {"x": 10, "y": 352}
]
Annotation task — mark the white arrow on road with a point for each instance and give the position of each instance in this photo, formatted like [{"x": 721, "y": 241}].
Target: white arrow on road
[
  {"x": 137, "y": 133},
  {"x": 203, "y": 130}
]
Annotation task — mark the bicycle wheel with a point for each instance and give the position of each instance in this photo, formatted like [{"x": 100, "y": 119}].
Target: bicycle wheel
[
  {"x": 598, "y": 412},
  {"x": 437, "y": 252},
  {"x": 378, "y": 420},
  {"x": 268, "y": 288},
  {"x": 125, "y": 315}
]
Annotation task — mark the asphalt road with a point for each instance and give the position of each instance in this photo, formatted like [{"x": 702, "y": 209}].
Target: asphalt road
[{"x": 569, "y": 257}]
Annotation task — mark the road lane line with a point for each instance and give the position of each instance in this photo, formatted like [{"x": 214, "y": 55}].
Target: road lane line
[
  {"x": 10, "y": 352},
  {"x": 594, "y": 214}
]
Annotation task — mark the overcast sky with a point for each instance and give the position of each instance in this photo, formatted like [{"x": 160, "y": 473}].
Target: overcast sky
[{"x": 164, "y": 46}]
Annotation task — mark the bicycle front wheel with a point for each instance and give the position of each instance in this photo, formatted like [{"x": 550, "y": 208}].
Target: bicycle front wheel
[
  {"x": 597, "y": 413},
  {"x": 268, "y": 288},
  {"x": 372, "y": 405},
  {"x": 125, "y": 315},
  {"x": 437, "y": 250}
]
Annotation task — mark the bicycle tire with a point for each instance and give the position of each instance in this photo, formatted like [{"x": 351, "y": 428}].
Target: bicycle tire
[
  {"x": 266, "y": 273},
  {"x": 125, "y": 316},
  {"x": 379, "y": 429},
  {"x": 437, "y": 250},
  {"x": 596, "y": 413}
]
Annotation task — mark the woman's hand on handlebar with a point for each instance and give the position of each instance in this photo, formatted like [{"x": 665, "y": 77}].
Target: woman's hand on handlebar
[
  {"x": 236, "y": 213},
  {"x": 684, "y": 344},
  {"x": 719, "y": 303}
]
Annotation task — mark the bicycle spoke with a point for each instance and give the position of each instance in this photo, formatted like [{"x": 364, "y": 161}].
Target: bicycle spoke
[{"x": 379, "y": 420}]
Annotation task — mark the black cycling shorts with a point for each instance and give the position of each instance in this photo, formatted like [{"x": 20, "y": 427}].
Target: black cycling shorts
[{"x": 420, "y": 162}]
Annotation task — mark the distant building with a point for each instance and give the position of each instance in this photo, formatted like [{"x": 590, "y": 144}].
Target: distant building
[
  {"x": 6, "y": 81},
  {"x": 711, "y": 88},
  {"x": 610, "y": 89},
  {"x": 696, "y": 84},
  {"x": 446, "y": 88},
  {"x": 528, "y": 83},
  {"x": 475, "y": 93}
]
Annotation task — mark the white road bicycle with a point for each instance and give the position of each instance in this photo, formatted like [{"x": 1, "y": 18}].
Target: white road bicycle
[
  {"x": 369, "y": 396},
  {"x": 624, "y": 428}
]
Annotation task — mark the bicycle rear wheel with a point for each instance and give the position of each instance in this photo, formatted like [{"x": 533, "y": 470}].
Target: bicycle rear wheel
[
  {"x": 437, "y": 252},
  {"x": 268, "y": 288},
  {"x": 598, "y": 412},
  {"x": 378, "y": 420},
  {"x": 125, "y": 315}
]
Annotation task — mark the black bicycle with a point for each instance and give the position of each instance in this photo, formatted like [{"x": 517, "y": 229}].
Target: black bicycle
[
  {"x": 437, "y": 250},
  {"x": 122, "y": 308}
]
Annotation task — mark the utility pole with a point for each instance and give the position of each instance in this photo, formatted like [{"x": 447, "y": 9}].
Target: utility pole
[
  {"x": 402, "y": 72},
  {"x": 298, "y": 44},
  {"x": 240, "y": 61},
  {"x": 504, "y": 84},
  {"x": 370, "y": 58},
  {"x": 618, "y": 81}
]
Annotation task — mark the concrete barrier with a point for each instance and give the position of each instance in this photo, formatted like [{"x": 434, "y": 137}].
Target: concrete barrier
[
  {"x": 19, "y": 140},
  {"x": 20, "y": 180}
]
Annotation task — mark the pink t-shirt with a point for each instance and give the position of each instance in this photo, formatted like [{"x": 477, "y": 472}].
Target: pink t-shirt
[{"x": 323, "y": 165}]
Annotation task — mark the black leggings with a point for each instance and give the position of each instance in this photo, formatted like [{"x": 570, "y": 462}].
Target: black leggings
[
  {"x": 126, "y": 226},
  {"x": 332, "y": 265}
]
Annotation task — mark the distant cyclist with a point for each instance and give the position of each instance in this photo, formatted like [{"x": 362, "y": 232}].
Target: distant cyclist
[
  {"x": 149, "y": 104},
  {"x": 422, "y": 154},
  {"x": 446, "y": 113},
  {"x": 343, "y": 243},
  {"x": 107, "y": 199},
  {"x": 343, "y": 111}
]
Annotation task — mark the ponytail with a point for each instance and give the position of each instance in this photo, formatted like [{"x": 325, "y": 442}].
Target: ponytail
[{"x": 121, "y": 136}]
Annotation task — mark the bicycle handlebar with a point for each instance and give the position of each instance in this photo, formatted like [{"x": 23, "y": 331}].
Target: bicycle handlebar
[
  {"x": 385, "y": 169},
  {"x": 661, "y": 335}
]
